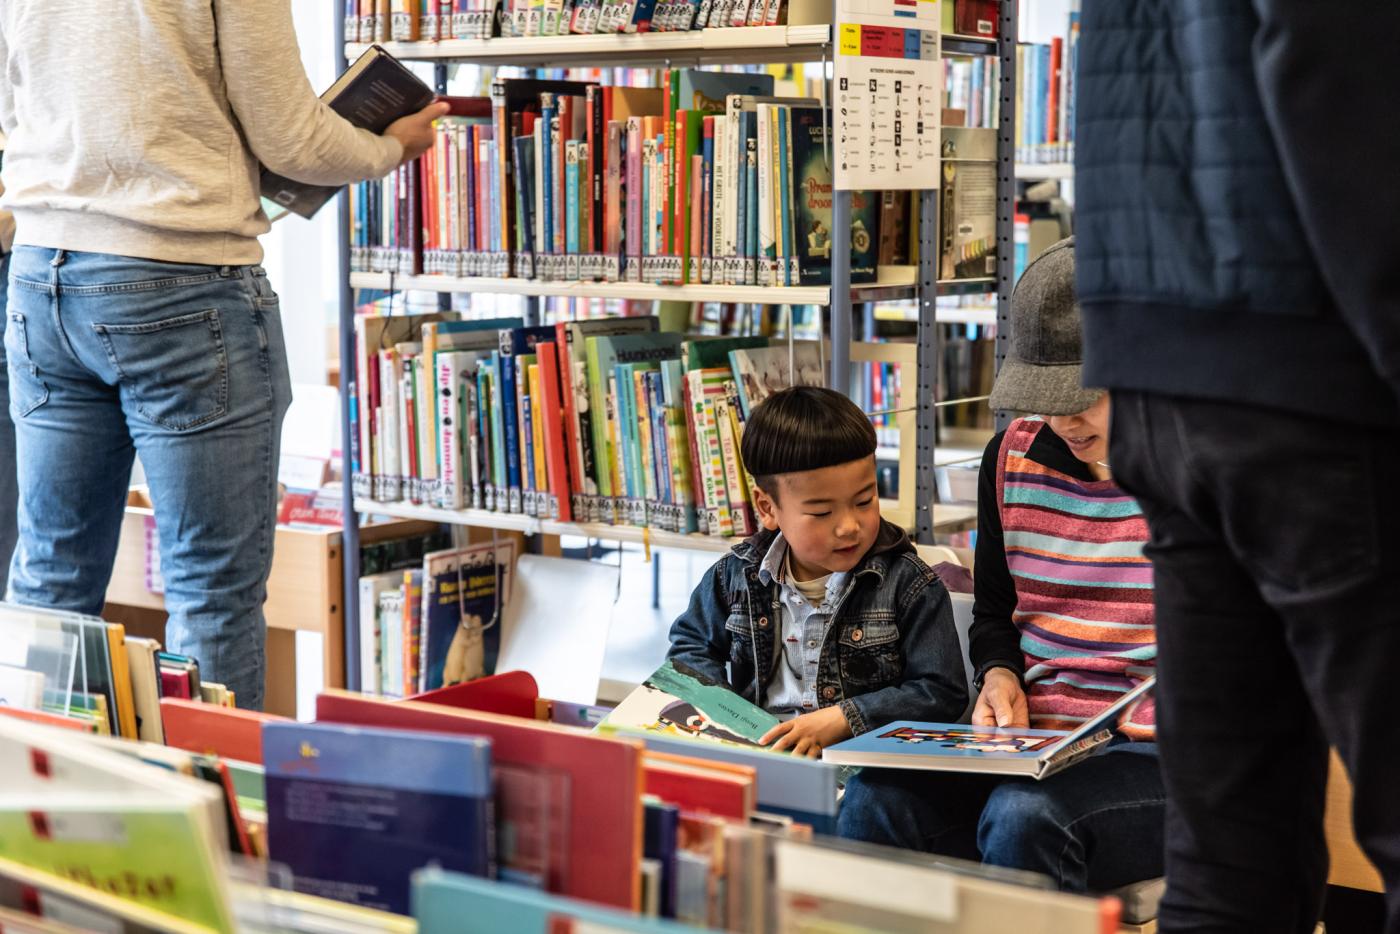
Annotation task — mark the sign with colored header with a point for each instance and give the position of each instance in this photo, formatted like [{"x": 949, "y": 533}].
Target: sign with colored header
[{"x": 886, "y": 109}]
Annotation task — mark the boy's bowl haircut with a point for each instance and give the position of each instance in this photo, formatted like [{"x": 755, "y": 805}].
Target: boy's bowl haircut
[{"x": 804, "y": 428}]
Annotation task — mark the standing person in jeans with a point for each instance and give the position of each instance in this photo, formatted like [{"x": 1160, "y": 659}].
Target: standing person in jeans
[
  {"x": 1237, "y": 269},
  {"x": 9, "y": 495},
  {"x": 1062, "y": 628},
  {"x": 139, "y": 320}
]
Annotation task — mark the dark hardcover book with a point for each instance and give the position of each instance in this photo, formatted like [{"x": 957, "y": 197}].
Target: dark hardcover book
[
  {"x": 372, "y": 93},
  {"x": 660, "y": 841},
  {"x": 865, "y": 233},
  {"x": 811, "y": 196},
  {"x": 894, "y": 228},
  {"x": 354, "y": 811}
]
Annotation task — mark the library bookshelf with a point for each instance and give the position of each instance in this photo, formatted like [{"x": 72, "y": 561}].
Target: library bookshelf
[{"x": 806, "y": 38}]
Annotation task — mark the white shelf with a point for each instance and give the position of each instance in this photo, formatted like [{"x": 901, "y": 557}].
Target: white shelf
[
  {"x": 747, "y": 44},
  {"x": 945, "y": 516},
  {"x": 899, "y": 283},
  {"x": 1035, "y": 172},
  {"x": 742, "y": 45}
]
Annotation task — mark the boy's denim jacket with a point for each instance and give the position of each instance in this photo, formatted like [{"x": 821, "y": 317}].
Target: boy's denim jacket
[{"x": 891, "y": 650}]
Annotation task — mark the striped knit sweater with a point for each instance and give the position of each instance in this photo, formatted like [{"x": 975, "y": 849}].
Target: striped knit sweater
[{"x": 1083, "y": 587}]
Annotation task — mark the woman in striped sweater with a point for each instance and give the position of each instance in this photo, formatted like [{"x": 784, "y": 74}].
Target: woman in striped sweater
[{"x": 1063, "y": 626}]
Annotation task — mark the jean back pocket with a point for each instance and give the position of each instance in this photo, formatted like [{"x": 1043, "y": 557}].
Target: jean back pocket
[{"x": 174, "y": 371}]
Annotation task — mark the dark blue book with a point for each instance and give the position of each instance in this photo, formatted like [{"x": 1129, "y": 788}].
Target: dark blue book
[
  {"x": 660, "y": 840},
  {"x": 353, "y": 812},
  {"x": 524, "y": 168}
]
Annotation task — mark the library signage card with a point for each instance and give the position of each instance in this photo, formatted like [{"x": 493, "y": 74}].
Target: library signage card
[{"x": 887, "y": 110}]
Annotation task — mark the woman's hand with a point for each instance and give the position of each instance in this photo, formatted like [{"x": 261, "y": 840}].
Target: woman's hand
[
  {"x": 1002, "y": 701},
  {"x": 415, "y": 131},
  {"x": 808, "y": 734}
]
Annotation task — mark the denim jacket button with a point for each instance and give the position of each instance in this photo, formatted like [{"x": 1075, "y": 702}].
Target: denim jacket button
[
  {"x": 763, "y": 622},
  {"x": 858, "y": 635},
  {"x": 828, "y": 692}
]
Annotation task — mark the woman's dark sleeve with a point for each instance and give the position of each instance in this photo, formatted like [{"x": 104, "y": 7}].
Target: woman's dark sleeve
[{"x": 994, "y": 641}]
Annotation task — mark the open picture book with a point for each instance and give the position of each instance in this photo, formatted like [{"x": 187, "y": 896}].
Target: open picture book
[
  {"x": 958, "y": 747},
  {"x": 678, "y": 701}
]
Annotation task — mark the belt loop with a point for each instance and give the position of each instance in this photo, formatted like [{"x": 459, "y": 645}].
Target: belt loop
[
  {"x": 225, "y": 271},
  {"x": 59, "y": 256}
]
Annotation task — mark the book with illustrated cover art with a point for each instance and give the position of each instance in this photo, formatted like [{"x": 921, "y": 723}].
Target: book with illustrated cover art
[
  {"x": 958, "y": 747},
  {"x": 676, "y": 700}
]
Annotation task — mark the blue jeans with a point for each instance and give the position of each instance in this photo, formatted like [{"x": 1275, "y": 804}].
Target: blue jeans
[
  {"x": 185, "y": 365},
  {"x": 1093, "y": 827},
  {"x": 9, "y": 494}
]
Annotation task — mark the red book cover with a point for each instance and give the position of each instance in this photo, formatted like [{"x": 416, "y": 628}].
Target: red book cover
[
  {"x": 668, "y": 145},
  {"x": 975, "y": 18},
  {"x": 592, "y": 111},
  {"x": 694, "y": 785},
  {"x": 556, "y": 458},
  {"x": 1052, "y": 109},
  {"x": 466, "y": 106},
  {"x": 174, "y": 684},
  {"x": 697, "y": 478},
  {"x": 46, "y": 719},
  {"x": 511, "y": 694},
  {"x": 207, "y": 729},
  {"x": 604, "y": 774},
  {"x": 570, "y": 410}
]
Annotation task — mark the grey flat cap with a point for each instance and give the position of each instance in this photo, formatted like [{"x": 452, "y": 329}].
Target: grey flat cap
[{"x": 1041, "y": 374}]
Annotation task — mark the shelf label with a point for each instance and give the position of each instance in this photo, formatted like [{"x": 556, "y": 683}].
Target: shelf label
[{"x": 887, "y": 105}]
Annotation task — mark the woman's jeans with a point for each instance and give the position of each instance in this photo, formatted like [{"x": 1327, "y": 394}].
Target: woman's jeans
[
  {"x": 185, "y": 366},
  {"x": 1096, "y": 826}
]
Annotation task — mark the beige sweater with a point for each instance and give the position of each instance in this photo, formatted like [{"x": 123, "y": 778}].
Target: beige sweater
[{"x": 136, "y": 126}]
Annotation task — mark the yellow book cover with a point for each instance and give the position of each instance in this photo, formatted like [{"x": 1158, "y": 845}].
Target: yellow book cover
[
  {"x": 121, "y": 681},
  {"x": 537, "y": 429}
]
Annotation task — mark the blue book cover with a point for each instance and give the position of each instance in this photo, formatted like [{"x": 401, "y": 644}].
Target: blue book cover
[
  {"x": 354, "y": 811},
  {"x": 707, "y": 195},
  {"x": 741, "y": 228},
  {"x": 451, "y": 903},
  {"x": 460, "y": 586},
  {"x": 781, "y": 129},
  {"x": 801, "y": 788},
  {"x": 661, "y": 455},
  {"x": 571, "y": 196},
  {"x": 958, "y": 747},
  {"x": 498, "y": 439},
  {"x": 660, "y": 840},
  {"x": 751, "y": 170},
  {"x": 625, "y": 399}
]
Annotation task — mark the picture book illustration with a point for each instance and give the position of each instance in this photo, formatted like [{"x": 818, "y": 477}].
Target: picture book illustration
[
  {"x": 675, "y": 700},
  {"x": 971, "y": 739}
]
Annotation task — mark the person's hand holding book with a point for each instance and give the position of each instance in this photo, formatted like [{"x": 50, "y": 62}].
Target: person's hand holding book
[
  {"x": 808, "y": 734},
  {"x": 1002, "y": 701},
  {"x": 415, "y": 132}
]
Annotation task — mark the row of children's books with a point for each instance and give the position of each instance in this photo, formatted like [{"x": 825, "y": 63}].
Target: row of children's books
[
  {"x": 92, "y": 675},
  {"x": 707, "y": 179},
  {"x": 480, "y": 807},
  {"x": 603, "y": 420},
  {"x": 971, "y": 86},
  {"x": 1045, "y": 92},
  {"x": 433, "y": 20}
]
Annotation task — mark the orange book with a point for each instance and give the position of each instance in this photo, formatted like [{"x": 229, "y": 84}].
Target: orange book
[
  {"x": 47, "y": 719},
  {"x": 226, "y": 732},
  {"x": 604, "y": 833},
  {"x": 702, "y": 786},
  {"x": 121, "y": 681}
]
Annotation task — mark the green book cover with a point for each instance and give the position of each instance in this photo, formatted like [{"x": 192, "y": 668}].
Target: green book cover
[
  {"x": 140, "y": 850},
  {"x": 676, "y": 700},
  {"x": 700, "y": 354}
]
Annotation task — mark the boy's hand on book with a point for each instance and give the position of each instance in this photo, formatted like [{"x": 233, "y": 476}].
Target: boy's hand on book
[
  {"x": 808, "y": 734},
  {"x": 415, "y": 132},
  {"x": 1002, "y": 701}
]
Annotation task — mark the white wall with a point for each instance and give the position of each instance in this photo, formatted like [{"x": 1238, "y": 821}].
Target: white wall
[
  {"x": 1042, "y": 20},
  {"x": 301, "y": 254}
]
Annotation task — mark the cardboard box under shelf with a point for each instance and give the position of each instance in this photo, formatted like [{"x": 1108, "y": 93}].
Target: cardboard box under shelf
[{"x": 304, "y": 593}]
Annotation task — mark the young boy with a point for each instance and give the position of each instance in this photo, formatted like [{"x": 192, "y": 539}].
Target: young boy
[{"x": 827, "y": 618}]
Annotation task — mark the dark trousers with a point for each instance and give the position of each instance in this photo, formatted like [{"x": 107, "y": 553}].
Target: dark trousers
[{"x": 1276, "y": 550}]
